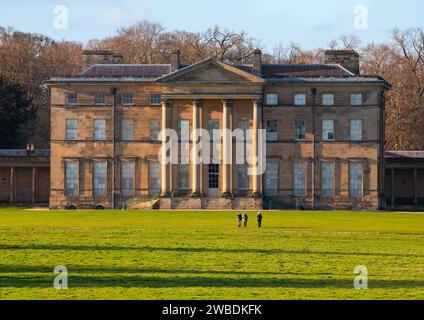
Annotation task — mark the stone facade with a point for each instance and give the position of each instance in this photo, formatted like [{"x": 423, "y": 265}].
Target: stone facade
[{"x": 212, "y": 90}]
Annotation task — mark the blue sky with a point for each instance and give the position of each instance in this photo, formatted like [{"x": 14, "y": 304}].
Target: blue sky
[{"x": 307, "y": 22}]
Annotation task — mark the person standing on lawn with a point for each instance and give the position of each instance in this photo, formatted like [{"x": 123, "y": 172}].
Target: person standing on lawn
[
  {"x": 260, "y": 219},
  {"x": 245, "y": 219},
  {"x": 239, "y": 218}
]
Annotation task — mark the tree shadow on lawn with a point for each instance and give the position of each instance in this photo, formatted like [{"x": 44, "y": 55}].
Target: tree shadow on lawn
[
  {"x": 198, "y": 250},
  {"x": 125, "y": 281}
]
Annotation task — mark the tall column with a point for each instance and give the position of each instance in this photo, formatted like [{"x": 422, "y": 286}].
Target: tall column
[
  {"x": 256, "y": 127},
  {"x": 34, "y": 191},
  {"x": 12, "y": 185},
  {"x": 196, "y": 164},
  {"x": 227, "y": 149},
  {"x": 166, "y": 155}
]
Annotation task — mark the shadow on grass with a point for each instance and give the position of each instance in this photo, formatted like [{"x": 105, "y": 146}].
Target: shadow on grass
[
  {"x": 199, "y": 250},
  {"x": 137, "y": 281}
]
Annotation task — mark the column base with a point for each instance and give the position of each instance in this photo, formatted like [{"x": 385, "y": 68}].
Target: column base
[
  {"x": 165, "y": 203},
  {"x": 257, "y": 195},
  {"x": 196, "y": 195},
  {"x": 227, "y": 195},
  {"x": 195, "y": 203},
  {"x": 166, "y": 195}
]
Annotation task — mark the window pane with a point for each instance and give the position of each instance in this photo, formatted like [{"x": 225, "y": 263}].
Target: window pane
[
  {"x": 356, "y": 99},
  {"x": 355, "y": 180},
  {"x": 328, "y": 99},
  {"x": 183, "y": 177},
  {"x": 128, "y": 179},
  {"x": 99, "y": 179},
  {"x": 99, "y": 129},
  {"x": 327, "y": 180},
  {"x": 299, "y": 179},
  {"x": 100, "y": 98},
  {"x": 71, "y": 98},
  {"x": 71, "y": 129},
  {"x": 328, "y": 130},
  {"x": 127, "y": 129},
  {"x": 183, "y": 130},
  {"x": 155, "y": 99},
  {"x": 272, "y": 99},
  {"x": 356, "y": 130},
  {"x": 155, "y": 128},
  {"x": 300, "y": 99},
  {"x": 271, "y": 179},
  {"x": 243, "y": 177},
  {"x": 155, "y": 179},
  {"x": 300, "y": 129},
  {"x": 272, "y": 130},
  {"x": 71, "y": 179},
  {"x": 127, "y": 99}
]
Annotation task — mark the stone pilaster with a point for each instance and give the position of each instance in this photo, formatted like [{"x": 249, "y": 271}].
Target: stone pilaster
[
  {"x": 166, "y": 167},
  {"x": 227, "y": 149},
  {"x": 196, "y": 167}
]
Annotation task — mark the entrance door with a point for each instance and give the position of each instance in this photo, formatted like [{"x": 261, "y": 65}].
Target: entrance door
[{"x": 213, "y": 180}]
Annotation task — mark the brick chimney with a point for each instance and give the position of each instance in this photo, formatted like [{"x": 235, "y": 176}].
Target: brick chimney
[
  {"x": 349, "y": 59},
  {"x": 175, "y": 60},
  {"x": 257, "y": 61},
  {"x": 92, "y": 57}
]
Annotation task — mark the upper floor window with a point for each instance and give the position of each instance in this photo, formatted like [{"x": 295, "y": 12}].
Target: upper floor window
[
  {"x": 356, "y": 99},
  {"x": 356, "y": 130},
  {"x": 243, "y": 125},
  {"x": 71, "y": 98},
  {"x": 299, "y": 129},
  {"x": 272, "y": 99},
  {"x": 328, "y": 130},
  {"x": 272, "y": 130},
  {"x": 214, "y": 131},
  {"x": 99, "y": 129},
  {"x": 127, "y": 99},
  {"x": 71, "y": 129},
  {"x": 155, "y": 99},
  {"x": 100, "y": 98},
  {"x": 300, "y": 99},
  {"x": 327, "y": 180},
  {"x": 328, "y": 99},
  {"x": 155, "y": 128},
  {"x": 127, "y": 129}
]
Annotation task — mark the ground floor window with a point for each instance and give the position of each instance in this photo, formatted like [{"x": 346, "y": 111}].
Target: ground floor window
[
  {"x": 327, "y": 180},
  {"x": 355, "y": 180},
  {"x": 127, "y": 179},
  {"x": 71, "y": 179},
  {"x": 243, "y": 177},
  {"x": 271, "y": 179},
  {"x": 99, "y": 181},
  {"x": 154, "y": 179},
  {"x": 213, "y": 176},
  {"x": 183, "y": 177},
  {"x": 299, "y": 189}
]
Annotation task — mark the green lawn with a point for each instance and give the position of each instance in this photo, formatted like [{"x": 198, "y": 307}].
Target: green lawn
[{"x": 202, "y": 255}]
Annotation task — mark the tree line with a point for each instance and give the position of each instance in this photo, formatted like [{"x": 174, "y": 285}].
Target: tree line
[{"x": 28, "y": 60}]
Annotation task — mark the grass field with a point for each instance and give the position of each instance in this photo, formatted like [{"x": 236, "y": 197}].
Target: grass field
[{"x": 202, "y": 255}]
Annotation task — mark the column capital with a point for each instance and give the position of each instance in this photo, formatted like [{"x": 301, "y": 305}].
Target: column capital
[
  {"x": 227, "y": 102},
  {"x": 166, "y": 103},
  {"x": 197, "y": 103}
]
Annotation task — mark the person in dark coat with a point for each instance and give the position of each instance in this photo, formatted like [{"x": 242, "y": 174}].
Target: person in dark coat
[
  {"x": 239, "y": 219},
  {"x": 260, "y": 220},
  {"x": 245, "y": 219}
]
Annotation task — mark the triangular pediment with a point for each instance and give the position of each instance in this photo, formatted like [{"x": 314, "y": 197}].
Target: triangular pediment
[{"x": 211, "y": 71}]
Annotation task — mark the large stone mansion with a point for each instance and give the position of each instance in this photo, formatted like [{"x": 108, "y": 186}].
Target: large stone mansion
[{"x": 324, "y": 129}]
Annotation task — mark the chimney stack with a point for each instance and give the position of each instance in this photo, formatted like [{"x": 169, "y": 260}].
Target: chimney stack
[
  {"x": 92, "y": 57},
  {"x": 349, "y": 59},
  {"x": 175, "y": 60},
  {"x": 257, "y": 61}
]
